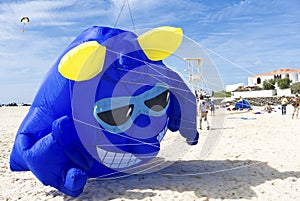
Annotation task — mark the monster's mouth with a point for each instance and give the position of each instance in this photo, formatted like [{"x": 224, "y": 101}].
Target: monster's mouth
[{"x": 118, "y": 160}]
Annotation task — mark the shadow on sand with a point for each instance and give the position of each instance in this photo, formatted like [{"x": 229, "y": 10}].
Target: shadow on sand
[{"x": 223, "y": 179}]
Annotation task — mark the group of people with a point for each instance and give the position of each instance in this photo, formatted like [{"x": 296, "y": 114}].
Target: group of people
[
  {"x": 294, "y": 101},
  {"x": 203, "y": 106}
]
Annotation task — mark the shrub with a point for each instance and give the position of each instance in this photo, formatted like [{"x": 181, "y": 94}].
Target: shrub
[
  {"x": 269, "y": 84},
  {"x": 241, "y": 88},
  {"x": 221, "y": 94},
  {"x": 295, "y": 88},
  {"x": 256, "y": 88},
  {"x": 284, "y": 83}
]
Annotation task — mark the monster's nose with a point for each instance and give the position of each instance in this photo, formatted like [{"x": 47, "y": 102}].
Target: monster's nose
[{"x": 142, "y": 121}]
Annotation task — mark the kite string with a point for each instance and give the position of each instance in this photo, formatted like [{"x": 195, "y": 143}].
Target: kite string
[
  {"x": 128, "y": 137},
  {"x": 133, "y": 139},
  {"x": 117, "y": 20},
  {"x": 134, "y": 29},
  {"x": 131, "y": 16},
  {"x": 159, "y": 161},
  {"x": 133, "y": 25},
  {"x": 148, "y": 64},
  {"x": 231, "y": 62},
  {"x": 155, "y": 65},
  {"x": 215, "y": 171},
  {"x": 130, "y": 13},
  {"x": 158, "y": 66}
]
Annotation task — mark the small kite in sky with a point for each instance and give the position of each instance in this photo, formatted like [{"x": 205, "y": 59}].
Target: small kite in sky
[{"x": 24, "y": 21}]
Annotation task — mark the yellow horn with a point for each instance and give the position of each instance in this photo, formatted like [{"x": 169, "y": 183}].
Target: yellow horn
[
  {"x": 83, "y": 62},
  {"x": 161, "y": 42}
]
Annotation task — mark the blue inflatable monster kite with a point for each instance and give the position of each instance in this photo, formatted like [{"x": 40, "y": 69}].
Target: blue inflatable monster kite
[{"x": 103, "y": 108}]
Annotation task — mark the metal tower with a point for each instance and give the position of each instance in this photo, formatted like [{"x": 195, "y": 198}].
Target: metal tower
[{"x": 195, "y": 77}]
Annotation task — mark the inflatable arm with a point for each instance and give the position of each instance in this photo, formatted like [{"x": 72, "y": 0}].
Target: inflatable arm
[
  {"x": 183, "y": 110},
  {"x": 50, "y": 157}
]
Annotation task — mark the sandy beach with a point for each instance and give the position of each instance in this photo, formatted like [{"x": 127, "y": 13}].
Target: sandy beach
[{"x": 245, "y": 156}]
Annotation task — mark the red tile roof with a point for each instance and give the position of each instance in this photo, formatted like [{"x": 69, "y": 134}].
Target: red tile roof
[{"x": 277, "y": 72}]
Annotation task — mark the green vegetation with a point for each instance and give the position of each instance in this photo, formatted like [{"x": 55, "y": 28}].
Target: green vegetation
[
  {"x": 284, "y": 83},
  {"x": 222, "y": 94},
  {"x": 256, "y": 88},
  {"x": 281, "y": 83},
  {"x": 295, "y": 88},
  {"x": 241, "y": 88},
  {"x": 269, "y": 84},
  {"x": 252, "y": 88}
]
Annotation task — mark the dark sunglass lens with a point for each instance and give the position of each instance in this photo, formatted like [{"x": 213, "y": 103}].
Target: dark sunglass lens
[
  {"x": 159, "y": 102},
  {"x": 116, "y": 117}
]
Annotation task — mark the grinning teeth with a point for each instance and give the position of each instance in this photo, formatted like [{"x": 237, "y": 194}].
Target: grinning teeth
[
  {"x": 123, "y": 160},
  {"x": 115, "y": 159},
  {"x": 101, "y": 153},
  {"x": 109, "y": 158},
  {"x": 162, "y": 133}
]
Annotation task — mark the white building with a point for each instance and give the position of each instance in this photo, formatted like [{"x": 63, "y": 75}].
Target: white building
[
  {"x": 233, "y": 87},
  {"x": 258, "y": 79}
]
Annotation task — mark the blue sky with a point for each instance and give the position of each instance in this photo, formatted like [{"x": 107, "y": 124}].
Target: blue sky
[{"x": 240, "y": 38}]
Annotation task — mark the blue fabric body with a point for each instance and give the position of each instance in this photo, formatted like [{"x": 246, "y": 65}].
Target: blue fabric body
[{"x": 62, "y": 141}]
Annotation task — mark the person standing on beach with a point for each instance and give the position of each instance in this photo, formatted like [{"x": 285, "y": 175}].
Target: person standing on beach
[
  {"x": 202, "y": 111},
  {"x": 284, "y": 103},
  {"x": 212, "y": 107},
  {"x": 295, "y": 103}
]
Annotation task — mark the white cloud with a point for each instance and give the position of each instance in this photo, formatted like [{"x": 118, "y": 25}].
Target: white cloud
[{"x": 254, "y": 31}]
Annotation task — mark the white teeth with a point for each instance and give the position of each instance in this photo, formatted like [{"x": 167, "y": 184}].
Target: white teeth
[
  {"x": 162, "y": 133},
  {"x": 101, "y": 153},
  {"x": 123, "y": 160},
  {"x": 116, "y": 160},
  {"x": 109, "y": 158}
]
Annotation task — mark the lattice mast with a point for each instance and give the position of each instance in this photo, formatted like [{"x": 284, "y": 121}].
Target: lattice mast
[{"x": 195, "y": 76}]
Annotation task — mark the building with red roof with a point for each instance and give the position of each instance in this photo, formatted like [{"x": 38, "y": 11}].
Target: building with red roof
[{"x": 258, "y": 79}]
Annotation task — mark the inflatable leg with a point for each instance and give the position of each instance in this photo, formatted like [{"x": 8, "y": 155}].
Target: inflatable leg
[
  {"x": 48, "y": 162},
  {"x": 48, "y": 158}
]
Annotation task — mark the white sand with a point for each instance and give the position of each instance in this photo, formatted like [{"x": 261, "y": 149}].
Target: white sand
[{"x": 245, "y": 156}]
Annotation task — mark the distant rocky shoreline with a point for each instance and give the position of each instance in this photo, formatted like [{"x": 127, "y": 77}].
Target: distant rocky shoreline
[
  {"x": 258, "y": 101},
  {"x": 13, "y": 104},
  {"x": 263, "y": 101}
]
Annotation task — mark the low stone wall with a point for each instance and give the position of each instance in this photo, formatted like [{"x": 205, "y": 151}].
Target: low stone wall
[
  {"x": 258, "y": 93},
  {"x": 258, "y": 101},
  {"x": 262, "y": 101}
]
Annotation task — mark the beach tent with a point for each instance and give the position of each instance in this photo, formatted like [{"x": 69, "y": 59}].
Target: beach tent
[{"x": 242, "y": 104}]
